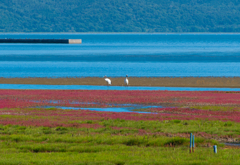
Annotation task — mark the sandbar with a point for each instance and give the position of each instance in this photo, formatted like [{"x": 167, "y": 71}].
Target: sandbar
[{"x": 222, "y": 82}]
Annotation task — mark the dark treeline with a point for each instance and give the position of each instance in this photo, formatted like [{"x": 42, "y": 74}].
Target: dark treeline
[{"x": 120, "y": 16}]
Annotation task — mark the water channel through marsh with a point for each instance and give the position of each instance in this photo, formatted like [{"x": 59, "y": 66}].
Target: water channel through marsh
[{"x": 113, "y": 108}]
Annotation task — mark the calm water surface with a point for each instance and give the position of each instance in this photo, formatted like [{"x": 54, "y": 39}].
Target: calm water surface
[
  {"x": 113, "y": 109},
  {"x": 115, "y": 55},
  {"x": 93, "y": 87}
]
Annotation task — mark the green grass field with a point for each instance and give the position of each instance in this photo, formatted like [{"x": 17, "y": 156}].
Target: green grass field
[{"x": 126, "y": 145}]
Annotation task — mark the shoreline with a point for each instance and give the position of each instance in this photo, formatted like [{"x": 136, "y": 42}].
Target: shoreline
[{"x": 220, "y": 82}]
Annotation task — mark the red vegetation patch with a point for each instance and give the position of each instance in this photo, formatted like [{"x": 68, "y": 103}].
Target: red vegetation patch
[
  {"x": 15, "y": 106},
  {"x": 29, "y": 98}
]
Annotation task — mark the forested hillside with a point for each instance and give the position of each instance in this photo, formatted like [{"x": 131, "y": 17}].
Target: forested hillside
[{"x": 120, "y": 16}]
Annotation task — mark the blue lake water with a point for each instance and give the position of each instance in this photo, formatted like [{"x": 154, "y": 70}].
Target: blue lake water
[
  {"x": 113, "y": 109},
  {"x": 93, "y": 87},
  {"x": 115, "y": 55}
]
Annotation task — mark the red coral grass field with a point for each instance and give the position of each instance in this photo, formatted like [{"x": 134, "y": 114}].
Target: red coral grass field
[
  {"x": 27, "y": 98},
  {"x": 26, "y": 106}
]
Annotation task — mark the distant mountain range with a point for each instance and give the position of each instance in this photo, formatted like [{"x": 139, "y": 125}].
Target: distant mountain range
[{"x": 120, "y": 16}]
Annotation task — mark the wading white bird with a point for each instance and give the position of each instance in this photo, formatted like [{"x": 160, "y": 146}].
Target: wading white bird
[
  {"x": 109, "y": 82},
  {"x": 126, "y": 80}
]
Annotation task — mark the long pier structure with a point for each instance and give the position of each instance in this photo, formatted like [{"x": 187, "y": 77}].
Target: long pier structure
[{"x": 42, "y": 41}]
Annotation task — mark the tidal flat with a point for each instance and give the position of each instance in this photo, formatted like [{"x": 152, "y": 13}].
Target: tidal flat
[{"x": 220, "y": 82}]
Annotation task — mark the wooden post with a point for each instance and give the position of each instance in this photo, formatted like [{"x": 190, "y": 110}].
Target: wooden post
[
  {"x": 193, "y": 143},
  {"x": 190, "y": 149}
]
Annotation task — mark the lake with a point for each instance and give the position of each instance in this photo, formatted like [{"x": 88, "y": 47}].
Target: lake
[{"x": 115, "y": 55}]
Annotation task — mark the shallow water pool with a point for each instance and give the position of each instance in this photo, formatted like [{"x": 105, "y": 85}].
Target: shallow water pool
[
  {"x": 112, "y": 109},
  {"x": 94, "y": 87}
]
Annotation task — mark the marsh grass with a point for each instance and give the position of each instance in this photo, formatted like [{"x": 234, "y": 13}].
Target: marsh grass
[
  {"x": 217, "y": 107},
  {"x": 31, "y": 145},
  {"x": 124, "y": 155},
  {"x": 117, "y": 142},
  {"x": 118, "y": 126},
  {"x": 81, "y": 136},
  {"x": 179, "y": 126}
]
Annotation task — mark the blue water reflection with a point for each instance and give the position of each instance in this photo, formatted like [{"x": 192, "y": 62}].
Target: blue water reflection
[
  {"x": 112, "y": 109},
  {"x": 93, "y": 87}
]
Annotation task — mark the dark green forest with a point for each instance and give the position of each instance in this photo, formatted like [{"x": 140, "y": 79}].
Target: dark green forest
[{"x": 120, "y": 16}]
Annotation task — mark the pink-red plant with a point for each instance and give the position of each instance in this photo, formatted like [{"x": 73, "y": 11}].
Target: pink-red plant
[{"x": 18, "y": 107}]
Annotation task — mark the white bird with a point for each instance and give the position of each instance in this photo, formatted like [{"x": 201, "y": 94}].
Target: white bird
[
  {"x": 109, "y": 82},
  {"x": 126, "y": 80}
]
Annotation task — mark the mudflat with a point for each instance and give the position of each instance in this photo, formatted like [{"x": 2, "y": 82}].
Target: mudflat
[{"x": 230, "y": 82}]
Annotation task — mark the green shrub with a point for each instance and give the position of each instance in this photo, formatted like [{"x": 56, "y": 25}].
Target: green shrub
[
  {"x": 47, "y": 130},
  {"x": 89, "y": 121},
  {"x": 61, "y": 129},
  {"x": 22, "y": 128},
  {"x": 176, "y": 141},
  {"x": 1, "y": 128},
  {"x": 132, "y": 142},
  {"x": 176, "y": 121},
  {"x": 228, "y": 124}
]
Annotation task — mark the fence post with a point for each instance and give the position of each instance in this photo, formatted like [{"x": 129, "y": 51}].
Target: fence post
[
  {"x": 193, "y": 143},
  {"x": 215, "y": 149},
  {"x": 190, "y": 149}
]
